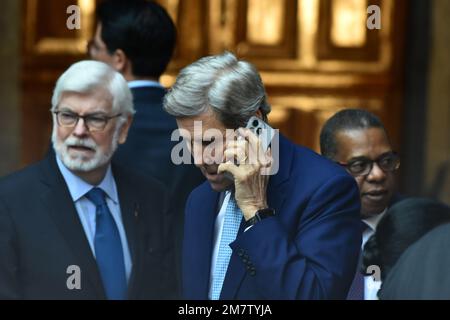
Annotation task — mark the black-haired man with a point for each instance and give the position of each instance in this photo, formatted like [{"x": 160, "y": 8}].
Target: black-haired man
[
  {"x": 137, "y": 38},
  {"x": 357, "y": 140}
]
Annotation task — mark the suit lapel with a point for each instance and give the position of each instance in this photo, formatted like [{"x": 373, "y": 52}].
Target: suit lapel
[
  {"x": 62, "y": 209},
  {"x": 276, "y": 195},
  {"x": 235, "y": 273},
  {"x": 205, "y": 219}
]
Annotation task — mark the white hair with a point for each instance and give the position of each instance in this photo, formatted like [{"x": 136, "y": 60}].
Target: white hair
[
  {"x": 232, "y": 88},
  {"x": 85, "y": 77},
  {"x": 88, "y": 75}
]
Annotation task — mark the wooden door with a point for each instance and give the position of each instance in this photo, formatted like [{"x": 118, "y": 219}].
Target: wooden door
[{"x": 315, "y": 56}]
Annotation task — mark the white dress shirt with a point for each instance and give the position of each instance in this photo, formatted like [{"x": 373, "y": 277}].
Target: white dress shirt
[
  {"x": 371, "y": 287},
  {"x": 87, "y": 211}
]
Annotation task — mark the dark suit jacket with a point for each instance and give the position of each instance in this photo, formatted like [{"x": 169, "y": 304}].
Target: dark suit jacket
[
  {"x": 148, "y": 151},
  {"x": 308, "y": 250},
  {"x": 41, "y": 235},
  {"x": 422, "y": 270}
]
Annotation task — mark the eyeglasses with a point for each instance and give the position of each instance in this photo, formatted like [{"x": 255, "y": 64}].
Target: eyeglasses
[
  {"x": 363, "y": 166},
  {"x": 94, "y": 122}
]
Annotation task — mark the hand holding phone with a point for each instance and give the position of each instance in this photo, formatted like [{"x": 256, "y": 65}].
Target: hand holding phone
[
  {"x": 264, "y": 133},
  {"x": 250, "y": 184}
]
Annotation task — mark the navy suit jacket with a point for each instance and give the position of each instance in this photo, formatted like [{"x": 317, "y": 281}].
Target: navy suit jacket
[
  {"x": 308, "y": 250},
  {"x": 148, "y": 146},
  {"x": 148, "y": 152},
  {"x": 41, "y": 236}
]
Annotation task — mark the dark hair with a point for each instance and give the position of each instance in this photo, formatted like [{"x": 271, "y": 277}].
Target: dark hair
[
  {"x": 349, "y": 119},
  {"x": 404, "y": 223},
  {"x": 143, "y": 30}
]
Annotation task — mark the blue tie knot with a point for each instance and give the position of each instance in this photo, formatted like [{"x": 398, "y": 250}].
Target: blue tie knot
[{"x": 96, "y": 196}]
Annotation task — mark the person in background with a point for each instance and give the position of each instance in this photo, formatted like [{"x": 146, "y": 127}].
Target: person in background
[
  {"x": 402, "y": 225},
  {"x": 75, "y": 226},
  {"x": 357, "y": 140},
  {"x": 421, "y": 271},
  {"x": 137, "y": 38}
]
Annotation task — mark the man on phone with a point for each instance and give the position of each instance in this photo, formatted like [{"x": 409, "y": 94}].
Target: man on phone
[{"x": 290, "y": 235}]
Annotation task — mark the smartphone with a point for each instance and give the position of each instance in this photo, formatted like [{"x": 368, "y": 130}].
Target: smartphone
[{"x": 264, "y": 132}]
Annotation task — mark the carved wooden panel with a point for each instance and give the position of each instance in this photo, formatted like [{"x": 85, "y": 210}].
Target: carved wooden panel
[
  {"x": 48, "y": 48},
  {"x": 266, "y": 29},
  {"x": 343, "y": 33},
  {"x": 192, "y": 28},
  {"x": 315, "y": 57}
]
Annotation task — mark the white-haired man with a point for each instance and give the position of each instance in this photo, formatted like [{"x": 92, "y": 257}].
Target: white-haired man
[
  {"x": 73, "y": 226},
  {"x": 291, "y": 236}
]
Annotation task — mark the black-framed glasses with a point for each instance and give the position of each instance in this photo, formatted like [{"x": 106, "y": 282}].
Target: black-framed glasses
[
  {"x": 94, "y": 122},
  {"x": 362, "y": 166}
]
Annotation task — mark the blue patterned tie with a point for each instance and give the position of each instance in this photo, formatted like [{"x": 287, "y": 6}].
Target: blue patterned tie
[
  {"x": 231, "y": 224},
  {"x": 108, "y": 248}
]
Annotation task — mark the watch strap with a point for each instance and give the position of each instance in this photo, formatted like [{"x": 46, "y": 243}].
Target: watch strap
[{"x": 260, "y": 215}]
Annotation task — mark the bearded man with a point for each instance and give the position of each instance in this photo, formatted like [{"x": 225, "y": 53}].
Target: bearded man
[{"x": 74, "y": 226}]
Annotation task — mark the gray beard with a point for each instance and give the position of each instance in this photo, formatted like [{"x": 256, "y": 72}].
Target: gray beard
[{"x": 78, "y": 164}]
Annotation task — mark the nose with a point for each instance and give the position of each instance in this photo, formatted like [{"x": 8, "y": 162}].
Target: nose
[
  {"x": 376, "y": 174},
  {"x": 80, "y": 129}
]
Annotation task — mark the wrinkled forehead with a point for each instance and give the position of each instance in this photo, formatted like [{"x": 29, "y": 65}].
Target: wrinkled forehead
[
  {"x": 97, "y": 100},
  {"x": 206, "y": 121},
  {"x": 369, "y": 143}
]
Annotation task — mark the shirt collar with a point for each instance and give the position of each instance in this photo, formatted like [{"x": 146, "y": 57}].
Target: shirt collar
[
  {"x": 373, "y": 221},
  {"x": 144, "y": 83},
  {"x": 78, "y": 187}
]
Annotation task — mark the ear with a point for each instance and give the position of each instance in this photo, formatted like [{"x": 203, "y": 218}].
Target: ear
[
  {"x": 120, "y": 61},
  {"x": 258, "y": 114},
  {"x": 123, "y": 134}
]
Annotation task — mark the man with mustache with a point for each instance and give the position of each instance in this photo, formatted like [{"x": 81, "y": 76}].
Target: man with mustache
[
  {"x": 74, "y": 226},
  {"x": 357, "y": 140},
  {"x": 290, "y": 235}
]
